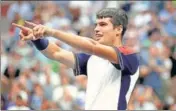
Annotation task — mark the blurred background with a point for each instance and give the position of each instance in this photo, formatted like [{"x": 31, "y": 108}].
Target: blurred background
[{"x": 31, "y": 81}]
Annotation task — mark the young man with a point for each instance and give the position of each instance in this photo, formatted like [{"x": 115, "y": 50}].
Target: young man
[{"x": 112, "y": 68}]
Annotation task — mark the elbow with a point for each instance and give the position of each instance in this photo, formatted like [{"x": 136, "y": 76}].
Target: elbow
[
  {"x": 56, "y": 56},
  {"x": 50, "y": 56}
]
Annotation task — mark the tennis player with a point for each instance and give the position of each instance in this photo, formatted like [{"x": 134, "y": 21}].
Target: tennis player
[{"x": 112, "y": 68}]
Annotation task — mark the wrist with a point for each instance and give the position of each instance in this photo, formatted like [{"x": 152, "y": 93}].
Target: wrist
[
  {"x": 49, "y": 32},
  {"x": 41, "y": 44}
]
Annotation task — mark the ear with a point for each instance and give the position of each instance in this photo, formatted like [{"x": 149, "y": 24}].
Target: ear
[{"x": 119, "y": 29}]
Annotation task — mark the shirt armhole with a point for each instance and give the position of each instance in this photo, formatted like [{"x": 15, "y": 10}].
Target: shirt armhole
[{"x": 118, "y": 65}]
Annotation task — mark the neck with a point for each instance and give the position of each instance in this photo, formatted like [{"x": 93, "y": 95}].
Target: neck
[{"x": 118, "y": 42}]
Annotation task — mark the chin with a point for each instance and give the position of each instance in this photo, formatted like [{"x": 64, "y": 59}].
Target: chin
[{"x": 101, "y": 42}]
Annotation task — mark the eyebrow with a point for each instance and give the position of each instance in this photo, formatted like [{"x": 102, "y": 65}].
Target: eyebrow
[{"x": 100, "y": 23}]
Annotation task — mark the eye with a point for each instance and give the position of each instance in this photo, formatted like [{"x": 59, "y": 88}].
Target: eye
[{"x": 103, "y": 24}]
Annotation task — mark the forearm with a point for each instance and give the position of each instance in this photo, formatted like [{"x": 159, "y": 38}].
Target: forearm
[
  {"x": 79, "y": 42},
  {"x": 50, "y": 50},
  {"x": 46, "y": 47},
  {"x": 54, "y": 52}
]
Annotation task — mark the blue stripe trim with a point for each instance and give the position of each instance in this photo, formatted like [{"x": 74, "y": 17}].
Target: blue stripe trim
[{"x": 125, "y": 85}]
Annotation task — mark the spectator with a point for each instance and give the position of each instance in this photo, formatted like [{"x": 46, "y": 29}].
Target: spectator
[
  {"x": 23, "y": 8},
  {"x": 167, "y": 16},
  {"x": 20, "y": 102}
]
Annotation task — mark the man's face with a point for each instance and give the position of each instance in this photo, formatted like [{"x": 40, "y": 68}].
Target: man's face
[{"x": 104, "y": 31}]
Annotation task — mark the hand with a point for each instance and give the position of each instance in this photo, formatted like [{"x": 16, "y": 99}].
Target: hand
[
  {"x": 34, "y": 33},
  {"x": 25, "y": 33},
  {"x": 39, "y": 31}
]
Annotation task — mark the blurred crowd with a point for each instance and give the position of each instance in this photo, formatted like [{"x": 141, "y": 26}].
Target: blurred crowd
[{"x": 29, "y": 80}]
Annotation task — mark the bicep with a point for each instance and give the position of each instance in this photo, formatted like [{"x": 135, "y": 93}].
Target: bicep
[
  {"x": 54, "y": 52},
  {"x": 103, "y": 51}
]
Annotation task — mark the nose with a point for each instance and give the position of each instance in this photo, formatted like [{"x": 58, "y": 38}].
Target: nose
[{"x": 96, "y": 29}]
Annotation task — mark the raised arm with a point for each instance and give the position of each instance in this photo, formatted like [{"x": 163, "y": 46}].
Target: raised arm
[
  {"x": 89, "y": 46},
  {"x": 49, "y": 49}
]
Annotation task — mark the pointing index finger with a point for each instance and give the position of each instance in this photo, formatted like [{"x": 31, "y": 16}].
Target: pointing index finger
[{"x": 21, "y": 27}]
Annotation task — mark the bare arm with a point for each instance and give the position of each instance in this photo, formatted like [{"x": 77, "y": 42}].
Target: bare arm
[
  {"x": 85, "y": 44},
  {"x": 89, "y": 46},
  {"x": 51, "y": 50},
  {"x": 56, "y": 53}
]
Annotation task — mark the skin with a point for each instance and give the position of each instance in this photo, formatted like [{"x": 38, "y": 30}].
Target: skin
[{"x": 106, "y": 35}]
